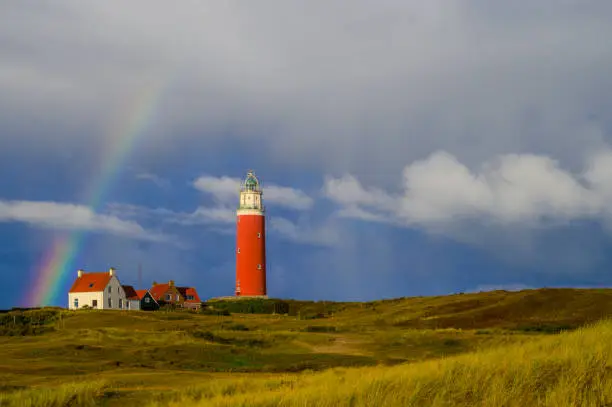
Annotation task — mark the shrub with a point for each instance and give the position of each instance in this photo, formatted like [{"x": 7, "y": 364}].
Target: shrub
[
  {"x": 209, "y": 311},
  {"x": 28, "y": 322},
  {"x": 238, "y": 327},
  {"x": 545, "y": 328},
  {"x": 251, "y": 306},
  {"x": 319, "y": 328}
]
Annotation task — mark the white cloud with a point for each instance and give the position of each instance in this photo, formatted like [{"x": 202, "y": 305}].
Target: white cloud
[
  {"x": 225, "y": 191},
  {"x": 287, "y": 197},
  {"x": 348, "y": 191},
  {"x": 222, "y": 220},
  {"x": 156, "y": 179},
  {"x": 213, "y": 217},
  {"x": 205, "y": 215},
  {"x": 307, "y": 234},
  {"x": 200, "y": 216},
  {"x": 511, "y": 189},
  {"x": 70, "y": 216}
]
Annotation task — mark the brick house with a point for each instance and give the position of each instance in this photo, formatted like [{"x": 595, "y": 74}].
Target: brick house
[{"x": 169, "y": 293}]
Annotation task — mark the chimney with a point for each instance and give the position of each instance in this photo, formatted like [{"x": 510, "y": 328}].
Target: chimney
[
  {"x": 154, "y": 284},
  {"x": 171, "y": 283},
  {"x": 111, "y": 271},
  {"x": 80, "y": 273}
]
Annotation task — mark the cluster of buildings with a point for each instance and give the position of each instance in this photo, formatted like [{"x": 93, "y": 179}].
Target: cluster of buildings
[{"x": 105, "y": 291}]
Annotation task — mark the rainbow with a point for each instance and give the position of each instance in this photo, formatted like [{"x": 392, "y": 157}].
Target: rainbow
[{"x": 57, "y": 262}]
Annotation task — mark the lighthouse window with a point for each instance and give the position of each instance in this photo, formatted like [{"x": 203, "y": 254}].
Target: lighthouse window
[
  {"x": 259, "y": 267},
  {"x": 239, "y": 250},
  {"x": 258, "y": 235}
]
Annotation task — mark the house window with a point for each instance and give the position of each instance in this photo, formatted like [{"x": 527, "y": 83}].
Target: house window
[
  {"x": 147, "y": 300},
  {"x": 190, "y": 297},
  {"x": 109, "y": 289},
  {"x": 259, "y": 267},
  {"x": 120, "y": 303},
  {"x": 127, "y": 304},
  {"x": 91, "y": 285},
  {"x": 168, "y": 297},
  {"x": 76, "y": 303},
  {"x": 94, "y": 303},
  {"x": 110, "y": 303},
  {"x": 177, "y": 297}
]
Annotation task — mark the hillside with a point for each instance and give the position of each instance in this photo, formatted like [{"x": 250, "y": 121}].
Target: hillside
[
  {"x": 117, "y": 356},
  {"x": 568, "y": 370}
]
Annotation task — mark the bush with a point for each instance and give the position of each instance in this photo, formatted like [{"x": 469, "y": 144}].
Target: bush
[
  {"x": 251, "y": 306},
  {"x": 29, "y": 322},
  {"x": 209, "y": 311},
  {"x": 544, "y": 328},
  {"x": 319, "y": 328},
  {"x": 211, "y": 337},
  {"x": 237, "y": 327}
]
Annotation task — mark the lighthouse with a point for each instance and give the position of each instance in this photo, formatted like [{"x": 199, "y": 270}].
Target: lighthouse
[{"x": 250, "y": 240}]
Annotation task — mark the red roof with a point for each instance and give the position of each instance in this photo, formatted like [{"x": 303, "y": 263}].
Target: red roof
[
  {"x": 91, "y": 282},
  {"x": 185, "y": 291},
  {"x": 158, "y": 290},
  {"x": 130, "y": 293},
  {"x": 141, "y": 293}
]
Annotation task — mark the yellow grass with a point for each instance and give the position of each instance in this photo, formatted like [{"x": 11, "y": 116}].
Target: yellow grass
[
  {"x": 572, "y": 369},
  {"x": 71, "y": 394}
]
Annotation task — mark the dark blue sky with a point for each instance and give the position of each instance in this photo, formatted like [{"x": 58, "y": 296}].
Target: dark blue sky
[{"x": 406, "y": 148}]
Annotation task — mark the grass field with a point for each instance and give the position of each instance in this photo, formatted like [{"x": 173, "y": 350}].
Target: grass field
[{"x": 497, "y": 348}]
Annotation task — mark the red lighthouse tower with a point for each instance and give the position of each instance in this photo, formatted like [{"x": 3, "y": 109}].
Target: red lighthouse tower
[{"x": 250, "y": 240}]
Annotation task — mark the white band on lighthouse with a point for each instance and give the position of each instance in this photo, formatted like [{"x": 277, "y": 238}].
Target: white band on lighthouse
[{"x": 258, "y": 212}]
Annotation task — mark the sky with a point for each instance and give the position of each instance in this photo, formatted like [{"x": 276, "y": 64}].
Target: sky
[{"x": 406, "y": 148}]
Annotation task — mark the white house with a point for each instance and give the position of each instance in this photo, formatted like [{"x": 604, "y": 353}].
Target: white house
[
  {"x": 97, "y": 290},
  {"x": 132, "y": 298}
]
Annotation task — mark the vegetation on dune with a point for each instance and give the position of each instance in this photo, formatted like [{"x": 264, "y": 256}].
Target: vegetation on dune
[
  {"x": 568, "y": 370},
  {"x": 571, "y": 370},
  {"x": 28, "y": 322},
  {"x": 386, "y": 352},
  {"x": 301, "y": 309},
  {"x": 87, "y": 394}
]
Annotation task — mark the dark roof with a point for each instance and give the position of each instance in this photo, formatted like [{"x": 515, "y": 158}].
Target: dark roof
[{"x": 130, "y": 293}]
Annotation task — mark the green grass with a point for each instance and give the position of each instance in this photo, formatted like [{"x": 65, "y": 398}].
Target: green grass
[{"x": 119, "y": 357}]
